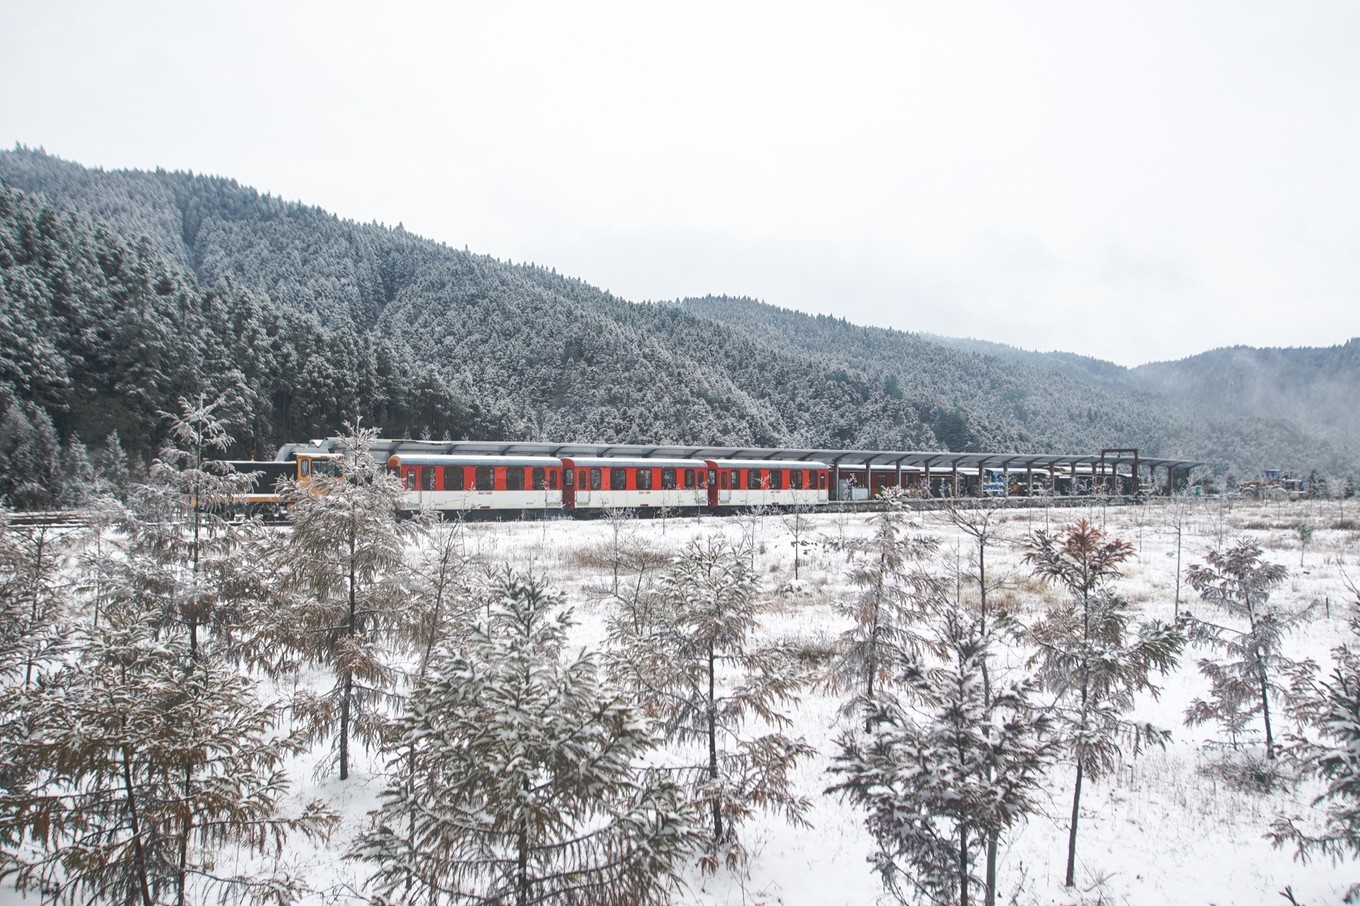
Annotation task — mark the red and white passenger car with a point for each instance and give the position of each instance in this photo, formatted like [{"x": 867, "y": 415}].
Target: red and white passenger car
[
  {"x": 584, "y": 485},
  {"x": 747, "y": 483},
  {"x": 473, "y": 483}
]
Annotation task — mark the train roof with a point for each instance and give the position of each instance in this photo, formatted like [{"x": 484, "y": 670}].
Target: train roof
[
  {"x": 636, "y": 461},
  {"x": 470, "y": 459},
  {"x": 770, "y": 463}
]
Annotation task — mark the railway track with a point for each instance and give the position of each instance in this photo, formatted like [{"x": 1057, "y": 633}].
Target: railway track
[{"x": 49, "y": 519}]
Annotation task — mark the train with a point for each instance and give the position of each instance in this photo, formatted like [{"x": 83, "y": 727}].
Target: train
[
  {"x": 456, "y": 485},
  {"x": 522, "y": 478}
]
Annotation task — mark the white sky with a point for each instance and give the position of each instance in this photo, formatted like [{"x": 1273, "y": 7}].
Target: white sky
[{"x": 1137, "y": 182}]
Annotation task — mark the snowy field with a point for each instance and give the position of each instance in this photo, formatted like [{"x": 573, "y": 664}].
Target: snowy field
[{"x": 1169, "y": 826}]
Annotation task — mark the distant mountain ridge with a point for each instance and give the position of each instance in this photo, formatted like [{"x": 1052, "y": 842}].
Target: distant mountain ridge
[{"x": 547, "y": 357}]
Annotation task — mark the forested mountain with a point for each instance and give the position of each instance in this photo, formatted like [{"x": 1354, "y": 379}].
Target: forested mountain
[
  {"x": 1316, "y": 387},
  {"x": 123, "y": 290},
  {"x": 1237, "y": 410}
]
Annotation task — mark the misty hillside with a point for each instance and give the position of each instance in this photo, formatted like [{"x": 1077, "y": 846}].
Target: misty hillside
[
  {"x": 1316, "y": 387},
  {"x": 1313, "y": 386},
  {"x": 312, "y": 320}
]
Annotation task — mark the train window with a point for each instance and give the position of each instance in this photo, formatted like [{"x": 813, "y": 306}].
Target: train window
[
  {"x": 644, "y": 479},
  {"x": 540, "y": 478},
  {"x": 776, "y": 479},
  {"x": 595, "y": 479},
  {"x": 552, "y": 480},
  {"x": 668, "y": 479},
  {"x": 689, "y": 478},
  {"x": 712, "y": 477},
  {"x": 514, "y": 478},
  {"x": 304, "y": 468},
  {"x": 427, "y": 478},
  {"x": 411, "y": 479},
  {"x": 568, "y": 478},
  {"x": 453, "y": 478},
  {"x": 796, "y": 480},
  {"x": 618, "y": 479},
  {"x": 753, "y": 479},
  {"x": 486, "y": 478}
]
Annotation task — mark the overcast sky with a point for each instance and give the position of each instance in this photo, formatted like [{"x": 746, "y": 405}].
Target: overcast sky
[{"x": 1135, "y": 181}]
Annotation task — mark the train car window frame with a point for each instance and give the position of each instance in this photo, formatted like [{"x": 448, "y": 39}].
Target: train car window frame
[
  {"x": 691, "y": 481},
  {"x": 538, "y": 478},
  {"x": 644, "y": 479},
  {"x": 486, "y": 478},
  {"x": 668, "y": 479},
  {"x": 796, "y": 480},
  {"x": 427, "y": 478},
  {"x": 753, "y": 479},
  {"x": 552, "y": 480},
  {"x": 776, "y": 479},
  {"x": 514, "y": 478},
  {"x": 596, "y": 478},
  {"x": 618, "y": 478},
  {"x": 410, "y": 478},
  {"x": 454, "y": 479}
]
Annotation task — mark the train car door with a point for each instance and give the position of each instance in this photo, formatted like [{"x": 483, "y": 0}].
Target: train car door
[
  {"x": 568, "y": 485},
  {"x": 719, "y": 484}
]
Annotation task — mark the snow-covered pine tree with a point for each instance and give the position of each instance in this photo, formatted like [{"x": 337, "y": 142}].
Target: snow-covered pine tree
[
  {"x": 112, "y": 472},
  {"x": 694, "y": 666},
  {"x": 797, "y": 519},
  {"x": 77, "y": 471},
  {"x": 440, "y": 584},
  {"x": 515, "y": 777},
  {"x": 343, "y": 593},
  {"x": 1089, "y": 655},
  {"x": 1238, "y": 582},
  {"x": 146, "y": 765},
  {"x": 896, "y": 595},
  {"x": 980, "y": 524},
  {"x": 1335, "y": 759},
  {"x": 33, "y": 598},
  {"x": 946, "y": 768},
  {"x": 34, "y": 602},
  {"x": 179, "y": 553}
]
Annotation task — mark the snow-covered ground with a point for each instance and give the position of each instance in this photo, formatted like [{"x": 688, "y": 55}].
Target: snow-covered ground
[{"x": 1169, "y": 826}]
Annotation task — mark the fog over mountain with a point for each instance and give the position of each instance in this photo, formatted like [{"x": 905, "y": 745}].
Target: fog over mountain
[{"x": 121, "y": 290}]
